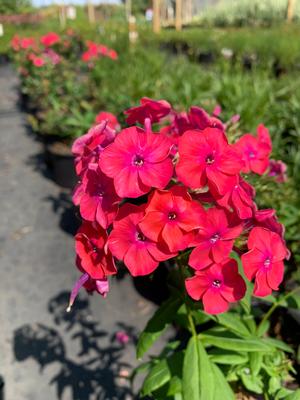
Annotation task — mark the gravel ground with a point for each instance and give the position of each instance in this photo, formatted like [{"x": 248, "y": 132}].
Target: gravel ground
[{"x": 46, "y": 354}]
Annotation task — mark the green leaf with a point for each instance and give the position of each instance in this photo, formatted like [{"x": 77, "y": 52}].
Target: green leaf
[
  {"x": 162, "y": 372},
  {"x": 222, "y": 389},
  {"x": 198, "y": 377},
  {"x": 157, "y": 324},
  {"x": 227, "y": 357},
  {"x": 233, "y": 322},
  {"x": 256, "y": 360},
  {"x": 263, "y": 328},
  {"x": 252, "y": 383},
  {"x": 158, "y": 376},
  {"x": 294, "y": 396},
  {"x": 278, "y": 344},
  {"x": 140, "y": 369},
  {"x": 233, "y": 343}
]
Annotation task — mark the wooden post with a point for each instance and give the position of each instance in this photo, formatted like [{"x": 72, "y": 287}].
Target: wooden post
[
  {"x": 156, "y": 16},
  {"x": 290, "y": 10},
  {"x": 178, "y": 16},
  {"x": 91, "y": 12},
  {"x": 189, "y": 7},
  {"x": 128, "y": 8},
  {"x": 62, "y": 15}
]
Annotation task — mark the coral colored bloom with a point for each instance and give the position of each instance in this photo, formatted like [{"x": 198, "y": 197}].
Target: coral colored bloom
[
  {"x": 92, "y": 255},
  {"x": 214, "y": 240},
  {"x": 170, "y": 216},
  {"x": 207, "y": 158},
  {"x": 238, "y": 197},
  {"x": 255, "y": 151},
  {"x": 137, "y": 161},
  {"x": 201, "y": 120},
  {"x": 38, "y": 61},
  {"x": 98, "y": 200},
  {"x": 140, "y": 254},
  {"x": 149, "y": 108},
  {"x": 110, "y": 118},
  {"x": 112, "y": 54},
  {"x": 267, "y": 219},
  {"x": 217, "y": 286},
  {"x": 264, "y": 260},
  {"x": 27, "y": 43},
  {"x": 278, "y": 170},
  {"x": 50, "y": 39},
  {"x": 88, "y": 147},
  {"x": 263, "y": 135}
]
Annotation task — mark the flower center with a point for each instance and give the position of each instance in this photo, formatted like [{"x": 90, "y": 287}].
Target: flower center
[
  {"x": 172, "y": 215},
  {"x": 210, "y": 159},
  {"x": 140, "y": 237},
  {"x": 216, "y": 283},
  {"x": 267, "y": 262},
  {"x": 251, "y": 154},
  {"x": 138, "y": 161},
  {"x": 214, "y": 238}
]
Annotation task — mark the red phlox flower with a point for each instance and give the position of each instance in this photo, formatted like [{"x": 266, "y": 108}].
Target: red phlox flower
[
  {"x": 137, "y": 161},
  {"x": 112, "y": 54},
  {"x": 238, "y": 197},
  {"x": 263, "y": 136},
  {"x": 27, "y": 43},
  {"x": 98, "y": 200},
  {"x": 278, "y": 170},
  {"x": 15, "y": 43},
  {"x": 140, "y": 254},
  {"x": 264, "y": 260},
  {"x": 103, "y": 50},
  {"x": 50, "y": 39},
  {"x": 149, "y": 108},
  {"x": 201, "y": 120},
  {"x": 92, "y": 254},
  {"x": 207, "y": 158},
  {"x": 171, "y": 217},
  {"x": 255, "y": 151},
  {"x": 217, "y": 286},
  {"x": 110, "y": 118},
  {"x": 267, "y": 219},
  {"x": 38, "y": 61},
  {"x": 88, "y": 147},
  {"x": 214, "y": 240}
]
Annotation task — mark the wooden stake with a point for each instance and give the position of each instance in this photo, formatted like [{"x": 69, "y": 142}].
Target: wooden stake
[
  {"x": 290, "y": 10},
  {"x": 156, "y": 16},
  {"x": 178, "y": 16},
  {"x": 91, "y": 12}
]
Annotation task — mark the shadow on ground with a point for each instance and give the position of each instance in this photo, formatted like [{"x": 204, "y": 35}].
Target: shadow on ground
[{"x": 98, "y": 372}]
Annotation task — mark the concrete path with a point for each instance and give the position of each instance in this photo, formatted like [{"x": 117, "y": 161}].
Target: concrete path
[{"x": 46, "y": 354}]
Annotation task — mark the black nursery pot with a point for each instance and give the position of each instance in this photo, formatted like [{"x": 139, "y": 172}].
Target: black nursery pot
[
  {"x": 60, "y": 160},
  {"x": 1, "y": 388},
  {"x": 4, "y": 60}
]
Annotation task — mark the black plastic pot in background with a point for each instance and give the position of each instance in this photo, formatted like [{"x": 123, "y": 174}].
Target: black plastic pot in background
[
  {"x": 60, "y": 161},
  {"x": 4, "y": 59},
  {"x": 1, "y": 388}
]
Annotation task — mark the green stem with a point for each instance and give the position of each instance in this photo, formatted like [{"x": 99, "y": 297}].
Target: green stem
[
  {"x": 189, "y": 313},
  {"x": 275, "y": 305}
]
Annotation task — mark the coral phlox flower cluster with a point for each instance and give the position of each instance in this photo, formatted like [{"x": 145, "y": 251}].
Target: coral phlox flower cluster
[
  {"x": 95, "y": 51},
  {"x": 47, "y": 49},
  {"x": 149, "y": 195}
]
